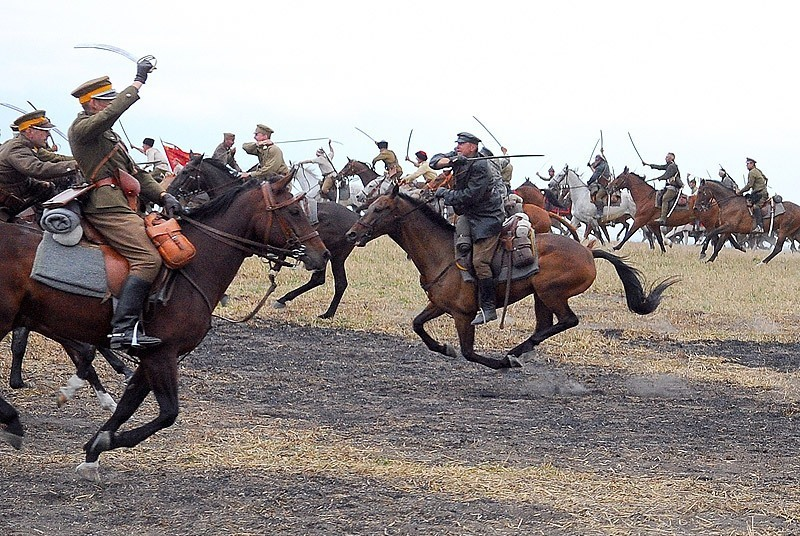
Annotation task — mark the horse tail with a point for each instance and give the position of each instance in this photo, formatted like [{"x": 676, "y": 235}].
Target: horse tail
[
  {"x": 560, "y": 219},
  {"x": 639, "y": 302}
]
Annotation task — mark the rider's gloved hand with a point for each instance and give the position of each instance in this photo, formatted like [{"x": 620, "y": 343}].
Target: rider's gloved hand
[
  {"x": 171, "y": 205},
  {"x": 143, "y": 68}
]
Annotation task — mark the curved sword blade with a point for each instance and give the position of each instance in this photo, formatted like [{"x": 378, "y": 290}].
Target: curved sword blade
[{"x": 110, "y": 48}]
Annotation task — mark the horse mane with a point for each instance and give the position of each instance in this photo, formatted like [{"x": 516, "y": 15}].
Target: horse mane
[
  {"x": 222, "y": 202},
  {"x": 431, "y": 214}
]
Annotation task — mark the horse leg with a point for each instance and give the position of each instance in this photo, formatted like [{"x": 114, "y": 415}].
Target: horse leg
[
  {"x": 657, "y": 232},
  {"x": 339, "y": 283},
  {"x": 466, "y": 338},
  {"x": 775, "y": 250},
  {"x": 155, "y": 373},
  {"x": 10, "y": 426},
  {"x": 429, "y": 313},
  {"x": 317, "y": 279},
  {"x": 82, "y": 355},
  {"x": 19, "y": 342},
  {"x": 722, "y": 237},
  {"x": 116, "y": 363},
  {"x": 545, "y": 328}
]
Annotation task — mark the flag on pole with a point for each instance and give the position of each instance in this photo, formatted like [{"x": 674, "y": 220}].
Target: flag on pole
[{"x": 175, "y": 155}]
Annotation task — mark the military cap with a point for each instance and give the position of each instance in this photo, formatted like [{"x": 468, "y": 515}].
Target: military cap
[
  {"x": 422, "y": 155},
  {"x": 97, "y": 88},
  {"x": 383, "y": 144},
  {"x": 149, "y": 141},
  {"x": 748, "y": 160},
  {"x": 466, "y": 137},
  {"x": 264, "y": 129},
  {"x": 34, "y": 119},
  {"x": 228, "y": 135}
]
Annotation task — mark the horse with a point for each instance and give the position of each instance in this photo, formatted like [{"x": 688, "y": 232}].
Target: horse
[
  {"x": 208, "y": 175},
  {"x": 255, "y": 218},
  {"x": 644, "y": 196},
  {"x": 357, "y": 168},
  {"x": 566, "y": 269},
  {"x": 583, "y": 209},
  {"x": 735, "y": 217},
  {"x": 530, "y": 194},
  {"x": 81, "y": 354}
]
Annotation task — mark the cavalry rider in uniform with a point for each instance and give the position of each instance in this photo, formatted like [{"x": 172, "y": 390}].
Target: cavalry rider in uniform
[
  {"x": 757, "y": 182},
  {"x": 597, "y": 183},
  {"x": 393, "y": 169},
  {"x": 225, "y": 151},
  {"x": 727, "y": 180},
  {"x": 423, "y": 170},
  {"x": 324, "y": 161},
  {"x": 672, "y": 176},
  {"x": 24, "y": 174},
  {"x": 104, "y": 160},
  {"x": 270, "y": 156},
  {"x": 479, "y": 204}
]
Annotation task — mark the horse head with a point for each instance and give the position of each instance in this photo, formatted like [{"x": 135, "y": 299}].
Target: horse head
[
  {"x": 379, "y": 219},
  {"x": 623, "y": 180},
  {"x": 372, "y": 191},
  {"x": 357, "y": 168},
  {"x": 203, "y": 175},
  {"x": 709, "y": 191}
]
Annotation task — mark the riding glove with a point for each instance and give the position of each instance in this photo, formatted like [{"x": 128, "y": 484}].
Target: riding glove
[
  {"x": 143, "y": 67},
  {"x": 171, "y": 205}
]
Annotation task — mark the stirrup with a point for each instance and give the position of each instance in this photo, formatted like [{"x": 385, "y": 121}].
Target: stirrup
[
  {"x": 131, "y": 339},
  {"x": 758, "y": 229},
  {"x": 484, "y": 317}
]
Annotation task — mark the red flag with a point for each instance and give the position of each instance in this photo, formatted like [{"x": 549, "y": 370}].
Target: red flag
[{"x": 175, "y": 155}]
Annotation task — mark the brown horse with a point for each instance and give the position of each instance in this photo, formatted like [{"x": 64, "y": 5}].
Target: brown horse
[
  {"x": 735, "y": 217},
  {"x": 566, "y": 269},
  {"x": 644, "y": 196},
  {"x": 255, "y": 218},
  {"x": 211, "y": 178},
  {"x": 530, "y": 194},
  {"x": 543, "y": 221}
]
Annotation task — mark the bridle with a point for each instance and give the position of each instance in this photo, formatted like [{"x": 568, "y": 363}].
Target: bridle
[
  {"x": 371, "y": 226},
  {"x": 195, "y": 176},
  {"x": 273, "y": 254}
]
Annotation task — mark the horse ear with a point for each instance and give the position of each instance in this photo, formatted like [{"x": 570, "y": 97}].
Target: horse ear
[
  {"x": 626, "y": 170},
  {"x": 282, "y": 181},
  {"x": 395, "y": 189}
]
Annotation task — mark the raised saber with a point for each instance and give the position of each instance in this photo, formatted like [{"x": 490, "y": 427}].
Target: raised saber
[
  {"x": 121, "y": 51},
  {"x": 367, "y": 135},
  {"x": 635, "y": 149},
  {"x": 488, "y": 131},
  {"x": 504, "y": 156},
  {"x": 307, "y": 139},
  {"x": 593, "y": 150},
  {"x": 408, "y": 145}
]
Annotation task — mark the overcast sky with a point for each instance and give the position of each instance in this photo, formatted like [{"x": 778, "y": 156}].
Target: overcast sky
[{"x": 713, "y": 82}]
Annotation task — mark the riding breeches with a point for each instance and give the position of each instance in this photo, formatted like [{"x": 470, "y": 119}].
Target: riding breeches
[
  {"x": 482, "y": 253},
  {"x": 125, "y": 232}
]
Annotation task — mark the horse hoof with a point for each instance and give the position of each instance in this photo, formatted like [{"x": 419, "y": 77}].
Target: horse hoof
[
  {"x": 279, "y": 305},
  {"x": 513, "y": 361},
  {"x": 450, "y": 351},
  {"x": 61, "y": 399},
  {"x": 12, "y": 439},
  {"x": 107, "y": 402},
  {"x": 89, "y": 471}
]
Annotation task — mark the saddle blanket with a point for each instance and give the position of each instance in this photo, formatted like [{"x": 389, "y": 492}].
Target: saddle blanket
[{"x": 75, "y": 269}]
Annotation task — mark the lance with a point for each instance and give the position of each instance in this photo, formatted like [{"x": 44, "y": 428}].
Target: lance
[
  {"x": 635, "y": 149},
  {"x": 367, "y": 135},
  {"x": 593, "y": 149},
  {"x": 487, "y": 130},
  {"x": 408, "y": 145}
]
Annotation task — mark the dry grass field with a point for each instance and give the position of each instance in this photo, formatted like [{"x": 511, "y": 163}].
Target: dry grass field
[{"x": 681, "y": 422}]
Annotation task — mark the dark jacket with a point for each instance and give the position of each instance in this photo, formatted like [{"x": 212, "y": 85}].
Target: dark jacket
[
  {"x": 671, "y": 174},
  {"x": 25, "y": 176},
  {"x": 475, "y": 196},
  {"x": 600, "y": 171}
]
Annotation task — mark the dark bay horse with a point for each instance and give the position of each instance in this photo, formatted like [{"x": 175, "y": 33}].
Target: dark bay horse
[
  {"x": 530, "y": 194},
  {"x": 253, "y": 219},
  {"x": 567, "y": 269},
  {"x": 644, "y": 196},
  {"x": 735, "y": 217},
  {"x": 206, "y": 176}
]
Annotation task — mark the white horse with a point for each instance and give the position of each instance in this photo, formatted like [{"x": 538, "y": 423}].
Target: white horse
[
  {"x": 583, "y": 210},
  {"x": 309, "y": 181}
]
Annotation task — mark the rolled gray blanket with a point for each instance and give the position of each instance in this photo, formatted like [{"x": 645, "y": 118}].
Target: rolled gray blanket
[{"x": 59, "y": 220}]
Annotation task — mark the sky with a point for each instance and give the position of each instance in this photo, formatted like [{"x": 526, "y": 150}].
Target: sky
[{"x": 713, "y": 82}]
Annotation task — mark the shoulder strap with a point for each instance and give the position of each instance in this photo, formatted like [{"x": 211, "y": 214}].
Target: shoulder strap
[{"x": 102, "y": 162}]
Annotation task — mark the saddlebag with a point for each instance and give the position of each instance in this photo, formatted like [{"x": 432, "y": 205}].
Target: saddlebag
[{"x": 174, "y": 247}]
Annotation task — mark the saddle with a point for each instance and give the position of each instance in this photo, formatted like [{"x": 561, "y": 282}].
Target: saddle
[{"x": 516, "y": 252}]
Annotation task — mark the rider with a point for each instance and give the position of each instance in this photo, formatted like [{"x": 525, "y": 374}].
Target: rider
[
  {"x": 598, "y": 181},
  {"x": 757, "y": 182},
  {"x": 672, "y": 176},
  {"x": 727, "y": 180},
  {"x": 104, "y": 160},
  {"x": 154, "y": 156},
  {"x": 226, "y": 150},
  {"x": 389, "y": 159},
  {"x": 423, "y": 169},
  {"x": 325, "y": 163},
  {"x": 480, "y": 206},
  {"x": 270, "y": 156},
  {"x": 24, "y": 174}
]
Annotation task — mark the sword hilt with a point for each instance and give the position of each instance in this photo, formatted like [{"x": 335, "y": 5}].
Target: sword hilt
[{"x": 152, "y": 59}]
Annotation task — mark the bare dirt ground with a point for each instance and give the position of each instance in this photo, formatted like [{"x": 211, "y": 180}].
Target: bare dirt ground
[{"x": 255, "y": 396}]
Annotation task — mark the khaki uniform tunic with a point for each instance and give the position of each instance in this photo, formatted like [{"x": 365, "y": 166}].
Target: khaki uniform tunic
[
  {"x": 91, "y": 140},
  {"x": 270, "y": 159}
]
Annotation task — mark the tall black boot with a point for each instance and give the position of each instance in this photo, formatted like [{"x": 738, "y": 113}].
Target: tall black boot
[
  {"x": 486, "y": 292},
  {"x": 125, "y": 322},
  {"x": 757, "y": 220}
]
